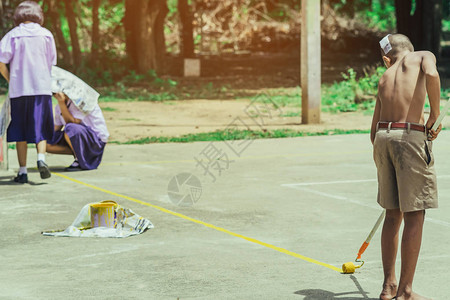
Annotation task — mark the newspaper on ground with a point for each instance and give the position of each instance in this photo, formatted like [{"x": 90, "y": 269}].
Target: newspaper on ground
[
  {"x": 128, "y": 224},
  {"x": 81, "y": 94}
]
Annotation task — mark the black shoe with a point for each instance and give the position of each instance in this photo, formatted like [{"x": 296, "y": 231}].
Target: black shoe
[
  {"x": 21, "y": 178},
  {"x": 74, "y": 167},
  {"x": 43, "y": 169}
]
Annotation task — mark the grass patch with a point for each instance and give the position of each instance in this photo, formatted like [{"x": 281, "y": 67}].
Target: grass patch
[
  {"x": 109, "y": 109},
  {"x": 225, "y": 135},
  {"x": 280, "y": 97},
  {"x": 12, "y": 146},
  {"x": 291, "y": 114},
  {"x": 130, "y": 119},
  {"x": 142, "y": 95}
]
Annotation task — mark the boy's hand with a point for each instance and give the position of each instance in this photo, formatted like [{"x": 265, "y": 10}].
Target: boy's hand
[{"x": 432, "y": 135}]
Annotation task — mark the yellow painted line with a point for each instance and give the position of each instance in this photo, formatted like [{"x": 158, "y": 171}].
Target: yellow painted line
[
  {"x": 156, "y": 162},
  {"x": 252, "y": 240}
]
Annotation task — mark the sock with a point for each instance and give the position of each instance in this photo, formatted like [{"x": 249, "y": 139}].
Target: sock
[
  {"x": 23, "y": 170},
  {"x": 75, "y": 163},
  {"x": 41, "y": 156}
]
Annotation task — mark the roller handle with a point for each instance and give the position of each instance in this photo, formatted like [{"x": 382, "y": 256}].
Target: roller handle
[
  {"x": 362, "y": 249},
  {"x": 372, "y": 232},
  {"x": 441, "y": 117}
]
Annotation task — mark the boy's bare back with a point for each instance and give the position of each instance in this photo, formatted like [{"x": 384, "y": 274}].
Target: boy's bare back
[{"x": 402, "y": 88}]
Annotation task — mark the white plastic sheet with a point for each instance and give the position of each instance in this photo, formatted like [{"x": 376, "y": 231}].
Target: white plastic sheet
[
  {"x": 128, "y": 224},
  {"x": 5, "y": 116}
]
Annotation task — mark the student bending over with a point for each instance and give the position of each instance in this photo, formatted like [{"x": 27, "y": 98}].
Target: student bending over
[{"x": 82, "y": 135}]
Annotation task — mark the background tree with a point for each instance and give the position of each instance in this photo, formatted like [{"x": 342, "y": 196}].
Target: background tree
[
  {"x": 52, "y": 11},
  {"x": 1, "y": 14},
  {"x": 72, "y": 20},
  {"x": 144, "y": 42},
  {"x": 95, "y": 43},
  {"x": 422, "y": 25},
  {"x": 186, "y": 30}
]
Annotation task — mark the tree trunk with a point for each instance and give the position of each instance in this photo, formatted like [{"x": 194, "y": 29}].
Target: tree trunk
[
  {"x": 403, "y": 16},
  {"x": 186, "y": 30},
  {"x": 424, "y": 26},
  {"x": 54, "y": 22},
  {"x": 160, "y": 38},
  {"x": 71, "y": 19},
  {"x": 432, "y": 24},
  {"x": 131, "y": 25},
  {"x": 95, "y": 46},
  {"x": 1, "y": 18},
  {"x": 446, "y": 10},
  {"x": 143, "y": 42}
]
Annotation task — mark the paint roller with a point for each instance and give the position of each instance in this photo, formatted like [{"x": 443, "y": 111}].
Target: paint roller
[{"x": 350, "y": 267}]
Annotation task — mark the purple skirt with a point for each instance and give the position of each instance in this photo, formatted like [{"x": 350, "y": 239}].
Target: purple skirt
[
  {"x": 85, "y": 142},
  {"x": 31, "y": 119}
]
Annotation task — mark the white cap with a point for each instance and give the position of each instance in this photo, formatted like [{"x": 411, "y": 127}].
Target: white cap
[{"x": 385, "y": 44}]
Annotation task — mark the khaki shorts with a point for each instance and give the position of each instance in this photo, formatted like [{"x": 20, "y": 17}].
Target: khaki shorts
[{"x": 405, "y": 167}]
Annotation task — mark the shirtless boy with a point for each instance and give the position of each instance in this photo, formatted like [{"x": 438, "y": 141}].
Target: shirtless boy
[{"x": 403, "y": 156}]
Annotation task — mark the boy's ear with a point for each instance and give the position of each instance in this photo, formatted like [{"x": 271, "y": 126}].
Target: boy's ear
[{"x": 387, "y": 61}]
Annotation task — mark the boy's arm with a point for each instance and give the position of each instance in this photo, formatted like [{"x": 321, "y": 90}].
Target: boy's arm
[
  {"x": 433, "y": 86},
  {"x": 68, "y": 118},
  {"x": 375, "y": 119},
  {"x": 4, "y": 71}
]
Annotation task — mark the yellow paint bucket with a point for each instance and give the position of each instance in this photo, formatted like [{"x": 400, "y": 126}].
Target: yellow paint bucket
[{"x": 103, "y": 214}]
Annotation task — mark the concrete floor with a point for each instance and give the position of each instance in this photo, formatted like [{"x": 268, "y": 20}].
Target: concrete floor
[{"x": 277, "y": 223}]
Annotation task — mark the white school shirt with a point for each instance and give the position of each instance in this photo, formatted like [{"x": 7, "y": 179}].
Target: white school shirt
[
  {"x": 94, "y": 119},
  {"x": 30, "y": 50}
]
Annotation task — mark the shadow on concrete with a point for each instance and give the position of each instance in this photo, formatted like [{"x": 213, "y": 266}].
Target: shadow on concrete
[
  {"x": 318, "y": 294},
  {"x": 58, "y": 169},
  {"x": 9, "y": 180}
]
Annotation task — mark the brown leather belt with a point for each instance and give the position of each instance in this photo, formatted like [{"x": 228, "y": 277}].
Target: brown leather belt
[{"x": 396, "y": 125}]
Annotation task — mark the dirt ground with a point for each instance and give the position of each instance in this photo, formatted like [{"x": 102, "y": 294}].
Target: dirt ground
[
  {"x": 128, "y": 121},
  {"x": 243, "y": 76},
  {"x": 133, "y": 120}
]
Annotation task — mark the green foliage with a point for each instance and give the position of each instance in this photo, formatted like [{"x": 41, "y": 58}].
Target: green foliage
[
  {"x": 445, "y": 93},
  {"x": 446, "y": 25},
  {"x": 172, "y": 5},
  {"x": 380, "y": 15},
  {"x": 352, "y": 94},
  {"x": 3, "y": 83},
  {"x": 281, "y": 98}
]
